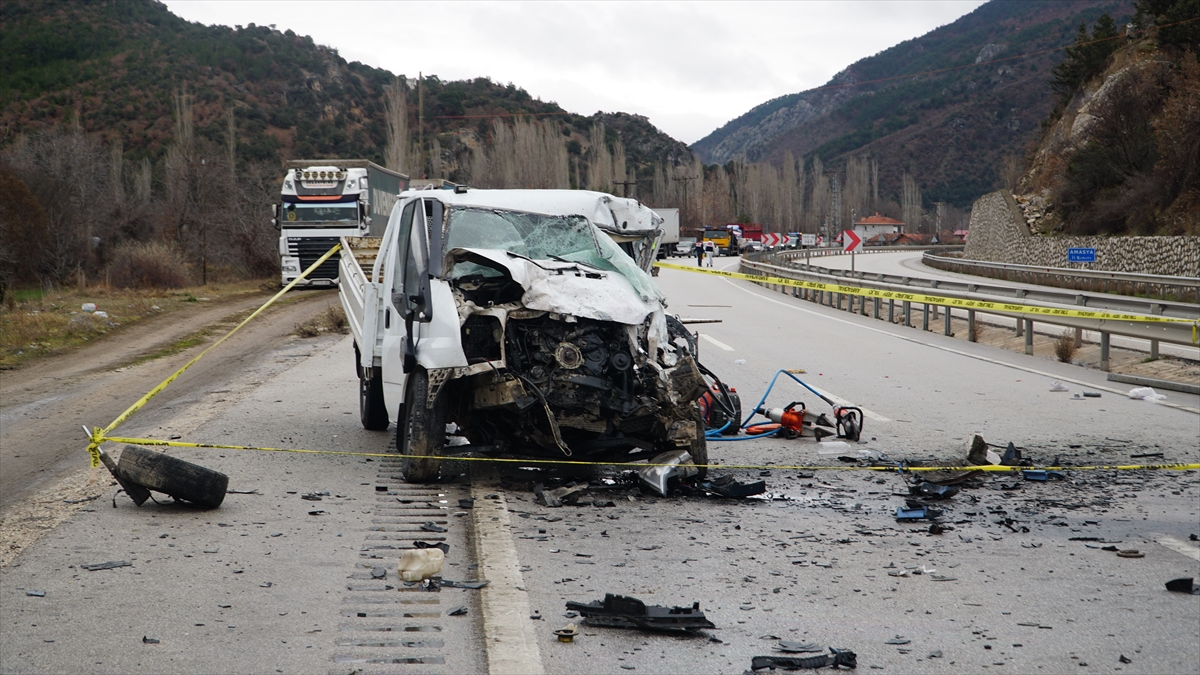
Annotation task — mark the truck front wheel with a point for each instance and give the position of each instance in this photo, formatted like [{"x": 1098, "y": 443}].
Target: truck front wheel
[
  {"x": 371, "y": 410},
  {"x": 421, "y": 431}
]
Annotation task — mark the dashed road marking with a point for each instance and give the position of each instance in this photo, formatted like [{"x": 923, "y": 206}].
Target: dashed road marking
[
  {"x": 717, "y": 343},
  {"x": 1178, "y": 546},
  {"x": 841, "y": 401}
]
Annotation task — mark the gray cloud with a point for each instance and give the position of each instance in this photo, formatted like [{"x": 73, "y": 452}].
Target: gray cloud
[{"x": 689, "y": 67}]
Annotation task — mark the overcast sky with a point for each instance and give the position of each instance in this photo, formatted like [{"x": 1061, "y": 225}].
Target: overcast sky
[{"x": 688, "y": 67}]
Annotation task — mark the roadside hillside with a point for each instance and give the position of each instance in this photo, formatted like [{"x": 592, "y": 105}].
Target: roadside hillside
[
  {"x": 1120, "y": 153},
  {"x": 980, "y": 88},
  {"x": 116, "y": 66}
]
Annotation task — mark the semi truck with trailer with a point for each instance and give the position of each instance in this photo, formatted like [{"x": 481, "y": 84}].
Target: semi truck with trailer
[
  {"x": 522, "y": 322},
  {"x": 323, "y": 200},
  {"x": 670, "y": 228}
]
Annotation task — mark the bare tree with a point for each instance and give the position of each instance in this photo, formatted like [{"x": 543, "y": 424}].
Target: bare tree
[
  {"x": 395, "y": 103},
  {"x": 911, "y": 203}
]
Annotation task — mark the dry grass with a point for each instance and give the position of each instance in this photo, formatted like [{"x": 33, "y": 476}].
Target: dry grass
[
  {"x": 975, "y": 331},
  {"x": 34, "y": 323},
  {"x": 1066, "y": 346},
  {"x": 331, "y": 320},
  {"x": 147, "y": 265}
]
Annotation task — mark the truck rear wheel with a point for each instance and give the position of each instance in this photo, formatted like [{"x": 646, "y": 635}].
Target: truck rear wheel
[
  {"x": 371, "y": 409},
  {"x": 421, "y": 432}
]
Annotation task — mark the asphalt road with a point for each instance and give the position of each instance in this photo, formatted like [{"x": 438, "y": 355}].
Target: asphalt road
[
  {"x": 1024, "y": 582},
  {"x": 909, "y": 264}
]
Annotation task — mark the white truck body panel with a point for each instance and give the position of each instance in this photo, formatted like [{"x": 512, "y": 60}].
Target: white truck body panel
[
  {"x": 598, "y": 315},
  {"x": 670, "y": 228}
]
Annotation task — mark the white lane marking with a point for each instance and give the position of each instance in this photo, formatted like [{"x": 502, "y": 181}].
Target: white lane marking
[
  {"x": 511, "y": 641},
  {"x": 717, "y": 342},
  {"x": 1178, "y": 546},
  {"x": 843, "y": 402},
  {"x": 1089, "y": 385}
]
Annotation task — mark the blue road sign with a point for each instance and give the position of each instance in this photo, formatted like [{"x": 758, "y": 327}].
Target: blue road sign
[{"x": 1081, "y": 255}]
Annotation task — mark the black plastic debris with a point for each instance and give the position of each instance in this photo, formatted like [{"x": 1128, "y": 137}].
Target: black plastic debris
[
  {"x": 837, "y": 658},
  {"x": 432, "y": 527},
  {"x": 311, "y": 497},
  {"x": 1041, "y": 475},
  {"x": 1183, "y": 585},
  {"x": 461, "y": 610},
  {"x": 567, "y": 494},
  {"x": 898, "y": 640},
  {"x": 112, "y": 564},
  {"x": 619, "y": 611},
  {"x": 937, "y": 528},
  {"x": 378, "y": 573},
  {"x": 927, "y": 489},
  {"x": 475, "y": 585},
  {"x": 916, "y": 513},
  {"x": 466, "y": 503},
  {"x": 1012, "y": 456},
  {"x": 726, "y": 486},
  {"x": 791, "y": 647},
  {"x": 1124, "y": 659},
  {"x": 441, "y": 544},
  {"x": 35, "y": 594},
  {"x": 1144, "y": 455},
  {"x": 149, "y": 640}
]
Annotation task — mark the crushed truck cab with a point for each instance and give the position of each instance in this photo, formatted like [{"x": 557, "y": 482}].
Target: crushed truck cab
[{"x": 525, "y": 321}]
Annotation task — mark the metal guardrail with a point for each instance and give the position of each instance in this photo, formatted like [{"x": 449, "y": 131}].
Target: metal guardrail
[
  {"x": 1183, "y": 288},
  {"x": 822, "y": 252},
  {"x": 1174, "y": 333}
]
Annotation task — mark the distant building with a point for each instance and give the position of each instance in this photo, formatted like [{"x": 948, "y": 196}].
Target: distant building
[
  {"x": 899, "y": 239},
  {"x": 871, "y": 226}
]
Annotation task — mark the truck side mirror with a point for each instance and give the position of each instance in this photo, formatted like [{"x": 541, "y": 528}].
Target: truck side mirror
[{"x": 275, "y": 223}]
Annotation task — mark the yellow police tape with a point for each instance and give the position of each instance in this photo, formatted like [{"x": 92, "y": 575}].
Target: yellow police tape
[
  {"x": 99, "y": 435},
  {"x": 576, "y": 462},
  {"x": 1011, "y": 308}
]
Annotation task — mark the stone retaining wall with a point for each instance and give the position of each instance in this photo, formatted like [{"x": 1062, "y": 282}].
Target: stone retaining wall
[{"x": 998, "y": 233}]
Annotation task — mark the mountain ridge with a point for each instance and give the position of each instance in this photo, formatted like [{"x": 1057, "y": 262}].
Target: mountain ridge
[{"x": 946, "y": 106}]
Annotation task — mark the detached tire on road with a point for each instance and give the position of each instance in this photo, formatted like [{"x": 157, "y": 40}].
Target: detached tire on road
[
  {"x": 424, "y": 430},
  {"x": 173, "y": 476},
  {"x": 371, "y": 410}
]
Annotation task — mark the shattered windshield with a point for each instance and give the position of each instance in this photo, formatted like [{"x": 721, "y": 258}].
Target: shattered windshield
[{"x": 541, "y": 237}]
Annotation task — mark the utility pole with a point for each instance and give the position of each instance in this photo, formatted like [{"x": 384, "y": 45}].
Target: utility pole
[
  {"x": 625, "y": 186},
  {"x": 835, "y": 186},
  {"x": 420, "y": 124}
]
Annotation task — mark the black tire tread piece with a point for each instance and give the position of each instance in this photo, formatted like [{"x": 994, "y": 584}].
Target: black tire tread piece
[{"x": 173, "y": 476}]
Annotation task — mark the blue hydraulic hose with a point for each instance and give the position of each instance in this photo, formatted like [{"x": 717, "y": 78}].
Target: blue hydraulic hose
[{"x": 715, "y": 434}]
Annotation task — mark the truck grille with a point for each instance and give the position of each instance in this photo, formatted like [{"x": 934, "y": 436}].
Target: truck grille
[{"x": 308, "y": 249}]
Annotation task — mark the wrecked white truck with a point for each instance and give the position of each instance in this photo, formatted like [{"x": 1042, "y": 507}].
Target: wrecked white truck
[{"x": 523, "y": 321}]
